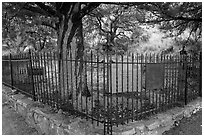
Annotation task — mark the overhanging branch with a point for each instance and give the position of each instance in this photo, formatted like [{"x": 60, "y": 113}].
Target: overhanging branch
[
  {"x": 48, "y": 9},
  {"x": 48, "y": 25}
]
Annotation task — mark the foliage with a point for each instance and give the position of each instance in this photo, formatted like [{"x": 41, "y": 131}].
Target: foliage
[
  {"x": 114, "y": 28},
  {"x": 175, "y": 17},
  {"x": 192, "y": 47},
  {"x": 21, "y": 29}
]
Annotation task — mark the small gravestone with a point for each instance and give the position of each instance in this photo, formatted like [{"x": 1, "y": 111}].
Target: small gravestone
[
  {"x": 125, "y": 77},
  {"x": 154, "y": 76}
]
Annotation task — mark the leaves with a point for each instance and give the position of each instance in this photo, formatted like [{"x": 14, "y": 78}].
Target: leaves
[
  {"x": 176, "y": 17},
  {"x": 114, "y": 25}
]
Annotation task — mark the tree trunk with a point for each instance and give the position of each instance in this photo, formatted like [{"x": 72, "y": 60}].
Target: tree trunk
[{"x": 70, "y": 61}]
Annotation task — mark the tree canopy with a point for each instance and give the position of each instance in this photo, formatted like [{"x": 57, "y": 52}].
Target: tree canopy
[
  {"x": 175, "y": 17},
  {"x": 61, "y": 20},
  {"x": 114, "y": 26}
]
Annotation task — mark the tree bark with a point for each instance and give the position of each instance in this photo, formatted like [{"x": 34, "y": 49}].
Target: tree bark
[{"x": 70, "y": 60}]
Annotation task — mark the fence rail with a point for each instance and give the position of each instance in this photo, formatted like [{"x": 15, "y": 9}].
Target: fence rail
[{"x": 108, "y": 89}]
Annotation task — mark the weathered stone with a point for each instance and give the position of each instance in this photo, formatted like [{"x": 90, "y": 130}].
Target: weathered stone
[
  {"x": 44, "y": 112},
  {"x": 66, "y": 122},
  {"x": 15, "y": 106},
  {"x": 197, "y": 109},
  {"x": 57, "y": 119},
  {"x": 12, "y": 102},
  {"x": 161, "y": 130},
  {"x": 38, "y": 118},
  {"x": 189, "y": 108},
  {"x": 164, "y": 116},
  {"x": 178, "y": 116},
  {"x": 22, "y": 110},
  {"x": 53, "y": 129},
  {"x": 197, "y": 102},
  {"x": 18, "y": 96},
  {"x": 166, "y": 120},
  {"x": 60, "y": 111},
  {"x": 35, "y": 116},
  {"x": 79, "y": 128},
  {"x": 14, "y": 91},
  {"x": 6, "y": 90},
  {"x": 35, "y": 105},
  {"x": 137, "y": 131},
  {"x": 30, "y": 118},
  {"x": 66, "y": 132},
  {"x": 153, "y": 132},
  {"x": 140, "y": 126},
  {"x": 129, "y": 132},
  {"x": 25, "y": 102},
  {"x": 44, "y": 125},
  {"x": 187, "y": 113},
  {"x": 173, "y": 111},
  {"x": 152, "y": 124},
  {"x": 60, "y": 131}
]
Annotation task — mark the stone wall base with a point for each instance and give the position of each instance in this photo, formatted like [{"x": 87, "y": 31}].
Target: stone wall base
[{"x": 48, "y": 122}]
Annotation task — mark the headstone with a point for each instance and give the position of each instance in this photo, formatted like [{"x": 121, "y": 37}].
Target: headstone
[
  {"x": 154, "y": 76},
  {"x": 125, "y": 77}
]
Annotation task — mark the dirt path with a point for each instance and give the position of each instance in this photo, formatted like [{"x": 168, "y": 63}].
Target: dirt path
[
  {"x": 13, "y": 123},
  {"x": 188, "y": 126}
]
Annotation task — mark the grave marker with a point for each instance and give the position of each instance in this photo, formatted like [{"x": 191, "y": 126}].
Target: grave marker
[{"x": 154, "y": 76}]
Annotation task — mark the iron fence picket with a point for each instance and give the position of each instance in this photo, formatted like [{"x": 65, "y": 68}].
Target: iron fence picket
[
  {"x": 32, "y": 79},
  {"x": 11, "y": 68},
  {"x": 132, "y": 86},
  {"x": 137, "y": 63},
  {"x": 200, "y": 74}
]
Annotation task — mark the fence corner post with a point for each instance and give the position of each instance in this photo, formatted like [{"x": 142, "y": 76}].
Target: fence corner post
[
  {"x": 186, "y": 79},
  {"x": 11, "y": 67},
  {"x": 31, "y": 70},
  {"x": 200, "y": 71}
]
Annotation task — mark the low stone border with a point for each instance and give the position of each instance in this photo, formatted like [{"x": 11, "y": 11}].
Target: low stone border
[
  {"x": 48, "y": 122},
  {"x": 45, "y": 120},
  {"x": 159, "y": 123}
]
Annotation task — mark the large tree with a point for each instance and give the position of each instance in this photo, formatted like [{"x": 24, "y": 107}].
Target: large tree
[{"x": 65, "y": 18}]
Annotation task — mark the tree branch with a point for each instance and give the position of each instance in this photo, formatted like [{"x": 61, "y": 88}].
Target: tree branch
[
  {"x": 188, "y": 19},
  {"x": 48, "y": 25},
  {"x": 48, "y": 9},
  {"x": 100, "y": 25},
  {"x": 156, "y": 21},
  {"x": 36, "y": 10},
  {"x": 91, "y": 6}
]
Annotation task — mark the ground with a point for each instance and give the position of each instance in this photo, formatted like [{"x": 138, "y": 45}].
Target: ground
[
  {"x": 13, "y": 123},
  {"x": 188, "y": 126}
]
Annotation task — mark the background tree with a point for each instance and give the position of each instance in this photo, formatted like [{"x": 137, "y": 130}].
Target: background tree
[
  {"x": 21, "y": 31},
  {"x": 175, "y": 18},
  {"x": 65, "y": 18},
  {"x": 115, "y": 27}
]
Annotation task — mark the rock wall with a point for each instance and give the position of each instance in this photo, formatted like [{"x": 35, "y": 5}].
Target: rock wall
[
  {"x": 48, "y": 122},
  {"x": 159, "y": 123}
]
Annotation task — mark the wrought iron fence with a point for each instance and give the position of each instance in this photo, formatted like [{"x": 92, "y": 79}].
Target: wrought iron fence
[{"x": 108, "y": 89}]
